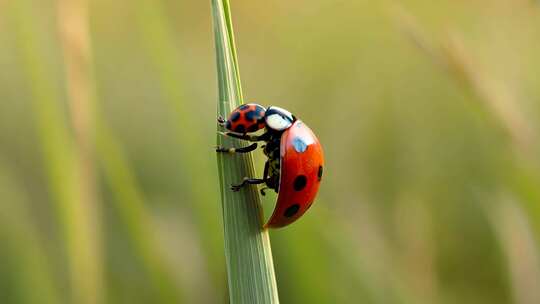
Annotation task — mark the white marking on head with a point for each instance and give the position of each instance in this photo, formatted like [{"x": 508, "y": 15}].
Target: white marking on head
[
  {"x": 277, "y": 122},
  {"x": 278, "y": 119}
]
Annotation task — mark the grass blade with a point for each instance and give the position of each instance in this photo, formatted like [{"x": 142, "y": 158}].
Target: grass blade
[
  {"x": 157, "y": 37},
  {"x": 86, "y": 119},
  {"x": 24, "y": 242},
  {"x": 75, "y": 38},
  {"x": 130, "y": 205},
  {"x": 60, "y": 157},
  {"x": 248, "y": 254}
]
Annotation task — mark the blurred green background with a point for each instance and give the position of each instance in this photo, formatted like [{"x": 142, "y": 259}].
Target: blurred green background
[{"x": 427, "y": 112}]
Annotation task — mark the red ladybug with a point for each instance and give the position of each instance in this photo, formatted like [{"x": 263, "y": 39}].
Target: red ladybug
[{"x": 295, "y": 158}]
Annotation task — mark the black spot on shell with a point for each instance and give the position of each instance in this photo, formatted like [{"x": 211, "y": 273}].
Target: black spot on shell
[
  {"x": 240, "y": 129},
  {"x": 228, "y": 125},
  {"x": 251, "y": 115},
  {"x": 244, "y": 107},
  {"x": 235, "y": 116},
  {"x": 292, "y": 210},
  {"x": 319, "y": 174},
  {"x": 253, "y": 128},
  {"x": 299, "y": 183}
]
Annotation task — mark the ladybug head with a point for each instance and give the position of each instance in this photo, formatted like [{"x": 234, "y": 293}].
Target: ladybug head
[
  {"x": 246, "y": 118},
  {"x": 278, "y": 119}
]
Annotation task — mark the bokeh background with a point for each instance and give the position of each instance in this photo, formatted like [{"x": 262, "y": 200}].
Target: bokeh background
[{"x": 427, "y": 110}]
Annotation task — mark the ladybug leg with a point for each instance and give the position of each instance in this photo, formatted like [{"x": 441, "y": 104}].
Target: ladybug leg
[
  {"x": 246, "y": 181},
  {"x": 265, "y": 177},
  {"x": 266, "y": 167},
  {"x": 247, "y": 137},
  {"x": 237, "y": 150}
]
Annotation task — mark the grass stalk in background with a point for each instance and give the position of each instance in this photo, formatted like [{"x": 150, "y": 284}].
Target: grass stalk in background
[
  {"x": 158, "y": 39},
  {"x": 75, "y": 38},
  {"x": 59, "y": 157},
  {"x": 497, "y": 98},
  {"x": 130, "y": 205},
  {"x": 75, "y": 35},
  {"x": 248, "y": 254},
  {"x": 25, "y": 244},
  {"x": 502, "y": 103},
  {"x": 518, "y": 243}
]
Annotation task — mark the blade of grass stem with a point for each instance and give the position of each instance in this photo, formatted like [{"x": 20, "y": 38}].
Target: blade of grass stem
[
  {"x": 59, "y": 155},
  {"x": 19, "y": 230},
  {"x": 248, "y": 254},
  {"x": 130, "y": 205},
  {"x": 518, "y": 243},
  {"x": 129, "y": 202},
  {"x": 498, "y": 99},
  {"x": 75, "y": 38}
]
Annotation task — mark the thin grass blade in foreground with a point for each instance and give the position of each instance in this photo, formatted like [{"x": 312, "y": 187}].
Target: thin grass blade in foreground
[{"x": 248, "y": 254}]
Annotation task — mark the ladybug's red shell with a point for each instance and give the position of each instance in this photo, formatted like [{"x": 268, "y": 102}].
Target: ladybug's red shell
[
  {"x": 302, "y": 163},
  {"x": 246, "y": 118}
]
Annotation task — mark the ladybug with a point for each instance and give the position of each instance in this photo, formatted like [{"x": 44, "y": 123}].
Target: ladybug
[{"x": 295, "y": 157}]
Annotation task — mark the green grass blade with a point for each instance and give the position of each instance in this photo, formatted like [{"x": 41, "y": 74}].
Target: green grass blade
[
  {"x": 157, "y": 37},
  {"x": 60, "y": 157},
  {"x": 24, "y": 242},
  {"x": 75, "y": 39},
  {"x": 130, "y": 205},
  {"x": 248, "y": 254}
]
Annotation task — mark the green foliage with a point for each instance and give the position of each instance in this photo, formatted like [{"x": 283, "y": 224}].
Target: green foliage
[{"x": 428, "y": 114}]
